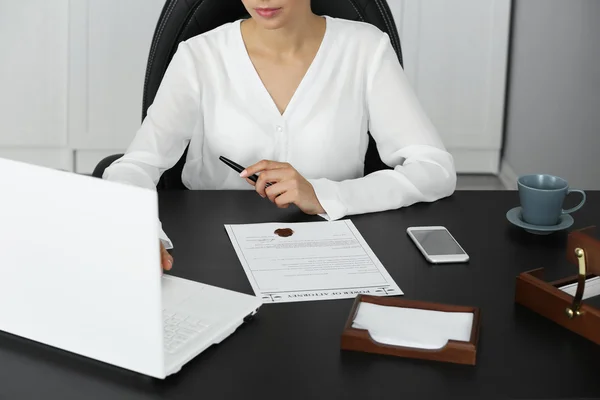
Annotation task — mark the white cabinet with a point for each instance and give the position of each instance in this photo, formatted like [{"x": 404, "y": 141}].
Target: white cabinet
[
  {"x": 72, "y": 75},
  {"x": 115, "y": 42},
  {"x": 111, "y": 41},
  {"x": 34, "y": 82},
  {"x": 33, "y": 73},
  {"x": 456, "y": 56}
]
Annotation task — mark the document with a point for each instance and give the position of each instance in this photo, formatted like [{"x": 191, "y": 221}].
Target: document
[
  {"x": 411, "y": 327},
  {"x": 288, "y": 262},
  {"x": 591, "y": 289}
]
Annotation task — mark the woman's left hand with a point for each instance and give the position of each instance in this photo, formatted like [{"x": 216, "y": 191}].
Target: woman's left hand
[{"x": 287, "y": 186}]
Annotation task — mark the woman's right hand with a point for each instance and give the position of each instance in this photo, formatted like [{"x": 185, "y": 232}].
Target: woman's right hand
[{"x": 166, "y": 259}]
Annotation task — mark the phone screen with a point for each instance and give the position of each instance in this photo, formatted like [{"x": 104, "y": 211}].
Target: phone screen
[{"x": 437, "y": 242}]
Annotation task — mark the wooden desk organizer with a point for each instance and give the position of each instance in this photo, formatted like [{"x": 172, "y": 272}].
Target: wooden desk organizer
[
  {"x": 546, "y": 299},
  {"x": 453, "y": 352}
]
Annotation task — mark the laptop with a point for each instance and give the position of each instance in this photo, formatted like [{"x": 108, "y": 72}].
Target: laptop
[{"x": 81, "y": 272}]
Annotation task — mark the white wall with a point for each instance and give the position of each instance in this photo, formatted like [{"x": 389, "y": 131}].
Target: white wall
[{"x": 553, "y": 121}]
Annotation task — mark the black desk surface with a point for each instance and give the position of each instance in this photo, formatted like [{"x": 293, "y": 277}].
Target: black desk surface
[{"x": 291, "y": 351}]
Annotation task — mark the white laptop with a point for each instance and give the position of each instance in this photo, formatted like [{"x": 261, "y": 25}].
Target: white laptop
[{"x": 80, "y": 271}]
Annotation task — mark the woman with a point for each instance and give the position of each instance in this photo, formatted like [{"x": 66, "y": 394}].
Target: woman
[{"x": 299, "y": 92}]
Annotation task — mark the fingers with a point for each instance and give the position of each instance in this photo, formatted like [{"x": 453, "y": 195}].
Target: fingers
[
  {"x": 270, "y": 176},
  {"x": 262, "y": 166},
  {"x": 250, "y": 182},
  {"x": 284, "y": 200},
  {"x": 166, "y": 259},
  {"x": 277, "y": 189}
]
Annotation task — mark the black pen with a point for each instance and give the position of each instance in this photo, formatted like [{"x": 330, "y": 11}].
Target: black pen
[{"x": 239, "y": 168}]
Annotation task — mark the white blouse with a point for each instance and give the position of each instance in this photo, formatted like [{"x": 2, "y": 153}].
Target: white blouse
[{"x": 212, "y": 98}]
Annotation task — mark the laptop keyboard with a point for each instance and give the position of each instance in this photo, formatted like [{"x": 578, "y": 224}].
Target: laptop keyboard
[{"x": 179, "y": 329}]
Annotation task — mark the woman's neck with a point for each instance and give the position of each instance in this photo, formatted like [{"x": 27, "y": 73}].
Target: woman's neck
[{"x": 289, "y": 39}]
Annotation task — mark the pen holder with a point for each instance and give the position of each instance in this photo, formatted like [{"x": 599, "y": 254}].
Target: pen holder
[{"x": 454, "y": 351}]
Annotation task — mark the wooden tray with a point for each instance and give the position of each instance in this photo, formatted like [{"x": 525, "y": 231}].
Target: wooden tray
[{"x": 453, "y": 352}]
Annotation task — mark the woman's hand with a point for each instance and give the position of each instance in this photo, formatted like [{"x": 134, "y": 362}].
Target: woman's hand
[
  {"x": 166, "y": 260},
  {"x": 287, "y": 186}
]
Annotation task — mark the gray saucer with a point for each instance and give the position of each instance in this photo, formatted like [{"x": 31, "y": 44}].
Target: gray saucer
[{"x": 514, "y": 216}]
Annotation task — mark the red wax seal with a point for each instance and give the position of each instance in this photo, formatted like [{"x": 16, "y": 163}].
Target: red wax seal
[{"x": 284, "y": 232}]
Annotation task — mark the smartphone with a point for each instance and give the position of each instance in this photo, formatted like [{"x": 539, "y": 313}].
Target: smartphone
[{"x": 437, "y": 245}]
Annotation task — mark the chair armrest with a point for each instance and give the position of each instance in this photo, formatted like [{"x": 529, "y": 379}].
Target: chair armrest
[{"x": 105, "y": 163}]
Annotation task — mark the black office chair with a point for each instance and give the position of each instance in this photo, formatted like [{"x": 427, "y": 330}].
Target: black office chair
[{"x": 181, "y": 20}]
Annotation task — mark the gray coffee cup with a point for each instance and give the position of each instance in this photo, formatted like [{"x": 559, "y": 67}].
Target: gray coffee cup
[{"x": 542, "y": 197}]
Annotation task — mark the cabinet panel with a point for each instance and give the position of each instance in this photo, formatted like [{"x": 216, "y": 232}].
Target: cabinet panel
[
  {"x": 456, "y": 56},
  {"x": 33, "y": 73},
  {"x": 50, "y": 158},
  {"x": 117, "y": 37}
]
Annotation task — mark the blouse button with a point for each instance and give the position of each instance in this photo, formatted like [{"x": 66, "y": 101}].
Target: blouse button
[{"x": 278, "y": 128}]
